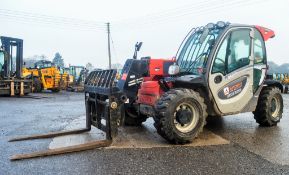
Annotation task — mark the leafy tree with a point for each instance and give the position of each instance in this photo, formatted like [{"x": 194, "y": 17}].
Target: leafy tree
[
  {"x": 275, "y": 68},
  {"x": 57, "y": 60},
  {"x": 89, "y": 67}
]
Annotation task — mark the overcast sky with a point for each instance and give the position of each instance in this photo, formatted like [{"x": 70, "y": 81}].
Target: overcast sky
[{"x": 160, "y": 24}]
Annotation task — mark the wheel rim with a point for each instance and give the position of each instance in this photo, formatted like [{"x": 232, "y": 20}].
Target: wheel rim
[
  {"x": 275, "y": 106},
  {"x": 192, "y": 117}
]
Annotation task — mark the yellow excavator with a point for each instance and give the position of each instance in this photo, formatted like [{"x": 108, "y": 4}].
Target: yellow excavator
[
  {"x": 77, "y": 75},
  {"x": 45, "y": 76}
]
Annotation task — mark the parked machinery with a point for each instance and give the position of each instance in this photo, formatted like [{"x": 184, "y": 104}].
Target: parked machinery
[
  {"x": 11, "y": 61},
  {"x": 45, "y": 76},
  {"x": 66, "y": 78},
  {"x": 285, "y": 82},
  {"x": 283, "y": 78},
  {"x": 78, "y": 73},
  {"x": 219, "y": 70}
]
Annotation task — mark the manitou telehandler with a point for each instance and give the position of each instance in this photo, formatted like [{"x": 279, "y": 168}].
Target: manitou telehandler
[
  {"x": 11, "y": 61},
  {"x": 219, "y": 70}
]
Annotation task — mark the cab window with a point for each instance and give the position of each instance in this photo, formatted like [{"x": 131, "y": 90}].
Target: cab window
[
  {"x": 220, "y": 60},
  {"x": 1, "y": 60},
  {"x": 234, "y": 52},
  {"x": 259, "y": 49}
]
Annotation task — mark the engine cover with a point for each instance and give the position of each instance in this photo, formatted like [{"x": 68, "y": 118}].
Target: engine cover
[{"x": 149, "y": 93}]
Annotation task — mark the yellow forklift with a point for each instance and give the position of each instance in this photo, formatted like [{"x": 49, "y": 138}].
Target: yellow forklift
[{"x": 12, "y": 82}]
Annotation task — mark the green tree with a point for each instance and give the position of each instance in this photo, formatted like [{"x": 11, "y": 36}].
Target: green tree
[{"x": 57, "y": 60}]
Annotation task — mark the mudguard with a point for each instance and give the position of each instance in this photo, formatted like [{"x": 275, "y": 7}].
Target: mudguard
[{"x": 274, "y": 83}]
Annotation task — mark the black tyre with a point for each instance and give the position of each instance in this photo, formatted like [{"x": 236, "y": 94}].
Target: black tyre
[
  {"x": 132, "y": 117},
  {"x": 181, "y": 115},
  {"x": 286, "y": 90},
  {"x": 270, "y": 107},
  {"x": 37, "y": 87},
  {"x": 55, "y": 90}
]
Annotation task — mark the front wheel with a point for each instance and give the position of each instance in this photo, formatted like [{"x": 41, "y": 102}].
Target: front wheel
[
  {"x": 181, "y": 115},
  {"x": 270, "y": 107},
  {"x": 37, "y": 86}
]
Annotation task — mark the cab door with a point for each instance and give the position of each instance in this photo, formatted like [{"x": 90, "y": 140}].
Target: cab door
[{"x": 231, "y": 72}]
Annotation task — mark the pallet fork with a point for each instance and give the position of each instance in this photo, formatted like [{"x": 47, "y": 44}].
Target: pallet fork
[{"x": 104, "y": 104}]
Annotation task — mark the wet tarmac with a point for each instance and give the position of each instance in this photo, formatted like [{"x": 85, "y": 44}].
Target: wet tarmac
[
  {"x": 229, "y": 145},
  {"x": 130, "y": 137},
  {"x": 272, "y": 143}
]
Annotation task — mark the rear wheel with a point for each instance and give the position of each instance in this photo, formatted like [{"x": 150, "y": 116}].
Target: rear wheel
[
  {"x": 181, "y": 115},
  {"x": 270, "y": 107}
]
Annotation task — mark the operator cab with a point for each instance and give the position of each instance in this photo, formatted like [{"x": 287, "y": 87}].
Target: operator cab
[
  {"x": 228, "y": 60},
  {"x": 42, "y": 64},
  {"x": 193, "y": 55},
  {"x": 76, "y": 71}
]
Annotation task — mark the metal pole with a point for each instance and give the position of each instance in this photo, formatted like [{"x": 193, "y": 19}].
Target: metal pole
[{"x": 108, "y": 40}]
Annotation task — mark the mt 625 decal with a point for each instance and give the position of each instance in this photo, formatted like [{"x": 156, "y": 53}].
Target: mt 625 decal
[{"x": 233, "y": 88}]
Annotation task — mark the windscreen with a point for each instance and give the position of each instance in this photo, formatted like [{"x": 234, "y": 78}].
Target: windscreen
[
  {"x": 42, "y": 65},
  {"x": 78, "y": 71},
  {"x": 194, "y": 53},
  {"x": 75, "y": 71}
]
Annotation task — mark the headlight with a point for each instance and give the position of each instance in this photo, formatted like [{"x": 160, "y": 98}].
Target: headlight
[
  {"x": 221, "y": 24},
  {"x": 174, "y": 69}
]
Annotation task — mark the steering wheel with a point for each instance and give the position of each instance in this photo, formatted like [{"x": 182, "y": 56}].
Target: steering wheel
[
  {"x": 220, "y": 60},
  {"x": 197, "y": 59}
]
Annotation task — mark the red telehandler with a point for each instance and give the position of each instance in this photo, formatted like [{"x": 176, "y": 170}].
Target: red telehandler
[{"x": 219, "y": 70}]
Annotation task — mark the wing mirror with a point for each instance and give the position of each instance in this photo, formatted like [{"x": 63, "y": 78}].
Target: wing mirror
[
  {"x": 137, "y": 48},
  {"x": 174, "y": 69}
]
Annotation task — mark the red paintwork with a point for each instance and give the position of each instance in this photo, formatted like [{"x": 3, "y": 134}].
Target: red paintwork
[
  {"x": 150, "y": 89},
  {"x": 149, "y": 92},
  {"x": 124, "y": 76},
  {"x": 266, "y": 33},
  {"x": 156, "y": 67}
]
